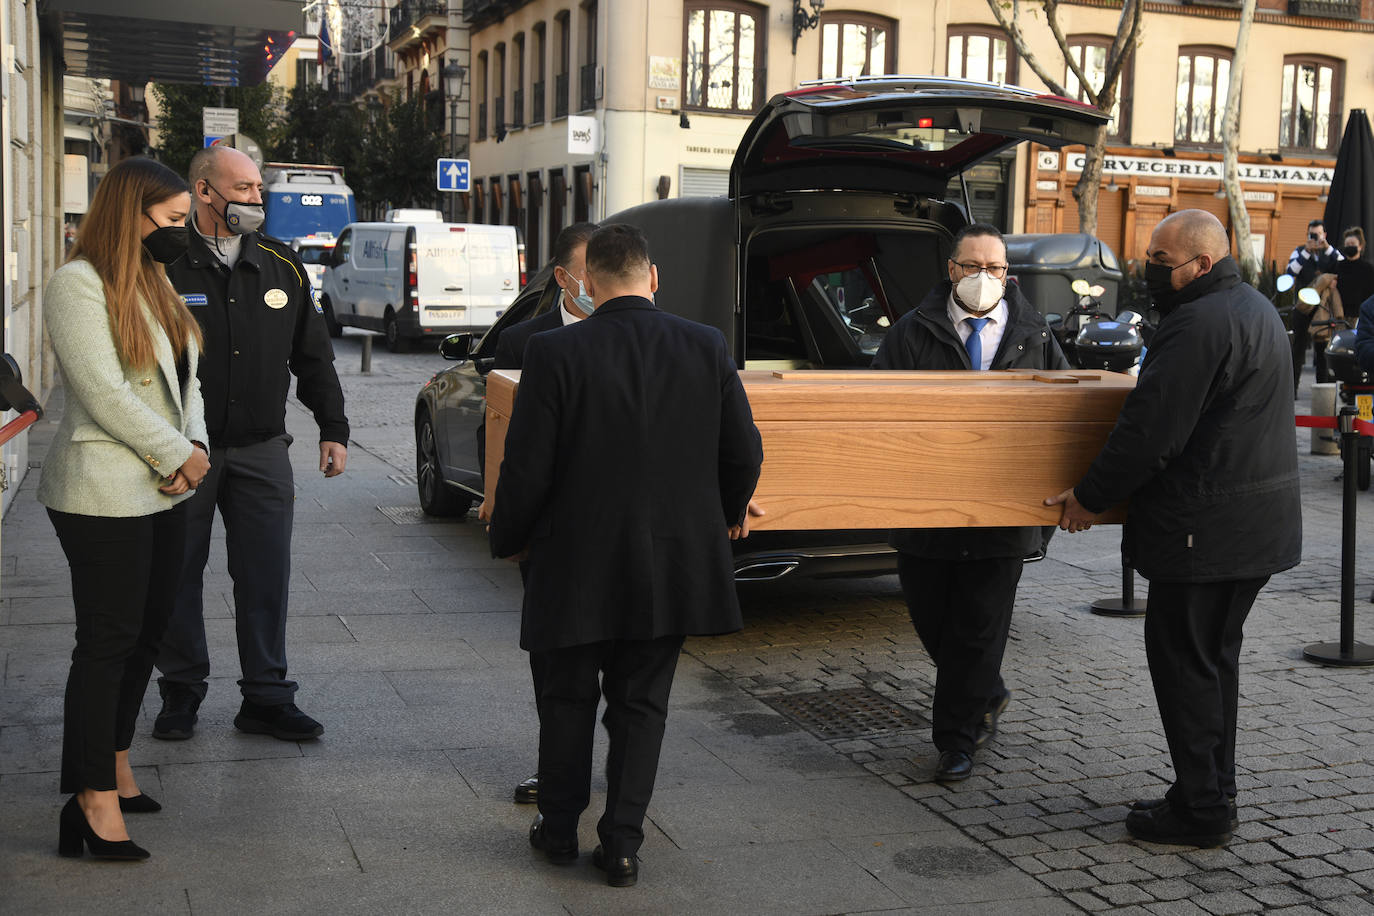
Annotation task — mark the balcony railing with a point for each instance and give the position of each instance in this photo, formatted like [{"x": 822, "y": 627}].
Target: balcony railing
[
  {"x": 408, "y": 12},
  {"x": 1325, "y": 9},
  {"x": 498, "y": 119},
  {"x": 383, "y": 73},
  {"x": 586, "y": 96},
  {"x": 537, "y": 103},
  {"x": 482, "y": 121},
  {"x": 517, "y": 109},
  {"x": 560, "y": 95}
]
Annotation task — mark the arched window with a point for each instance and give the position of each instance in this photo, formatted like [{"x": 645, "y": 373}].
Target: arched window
[
  {"x": 1204, "y": 75},
  {"x": 857, "y": 44},
  {"x": 1090, "y": 53},
  {"x": 1310, "y": 109},
  {"x": 980, "y": 52},
  {"x": 723, "y": 56}
]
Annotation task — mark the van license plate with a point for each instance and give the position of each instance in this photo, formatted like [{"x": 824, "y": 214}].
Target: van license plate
[
  {"x": 1364, "y": 405},
  {"x": 443, "y": 314}
]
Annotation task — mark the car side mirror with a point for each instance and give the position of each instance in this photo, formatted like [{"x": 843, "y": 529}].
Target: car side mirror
[{"x": 456, "y": 346}]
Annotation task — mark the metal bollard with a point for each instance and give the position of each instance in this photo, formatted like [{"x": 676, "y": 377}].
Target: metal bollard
[
  {"x": 1347, "y": 652},
  {"x": 367, "y": 354},
  {"x": 1324, "y": 441},
  {"x": 1125, "y": 606}
]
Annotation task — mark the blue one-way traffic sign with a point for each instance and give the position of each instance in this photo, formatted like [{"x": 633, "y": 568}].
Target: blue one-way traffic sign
[{"x": 453, "y": 175}]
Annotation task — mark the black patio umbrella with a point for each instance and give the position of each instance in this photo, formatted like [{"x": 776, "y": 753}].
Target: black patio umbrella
[{"x": 1350, "y": 200}]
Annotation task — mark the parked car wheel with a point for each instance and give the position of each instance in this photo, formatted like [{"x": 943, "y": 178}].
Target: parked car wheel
[
  {"x": 331, "y": 324},
  {"x": 436, "y": 497},
  {"x": 395, "y": 341}
]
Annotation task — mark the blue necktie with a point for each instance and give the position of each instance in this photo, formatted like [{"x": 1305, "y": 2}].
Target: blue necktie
[{"x": 974, "y": 344}]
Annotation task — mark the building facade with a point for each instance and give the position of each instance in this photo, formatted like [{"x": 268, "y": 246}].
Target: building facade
[{"x": 672, "y": 84}]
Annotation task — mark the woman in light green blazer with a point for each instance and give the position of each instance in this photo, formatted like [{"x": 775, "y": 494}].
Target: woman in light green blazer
[{"x": 131, "y": 446}]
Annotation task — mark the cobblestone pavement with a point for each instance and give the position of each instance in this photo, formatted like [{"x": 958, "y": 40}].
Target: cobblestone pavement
[
  {"x": 403, "y": 635},
  {"x": 1081, "y": 738}
]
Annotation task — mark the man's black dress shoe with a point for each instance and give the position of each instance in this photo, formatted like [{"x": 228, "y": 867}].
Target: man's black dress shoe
[
  {"x": 622, "y": 872},
  {"x": 1149, "y": 804},
  {"x": 953, "y": 766},
  {"x": 987, "y": 727},
  {"x": 1164, "y": 824},
  {"x": 557, "y": 852},
  {"x": 527, "y": 793},
  {"x": 176, "y": 721},
  {"x": 285, "y": 722}
]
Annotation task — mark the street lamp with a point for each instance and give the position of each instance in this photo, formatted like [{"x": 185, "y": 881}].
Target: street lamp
[{"x": 454, "y": 73}]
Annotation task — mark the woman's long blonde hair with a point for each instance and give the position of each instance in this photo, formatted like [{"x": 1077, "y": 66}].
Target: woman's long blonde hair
[{"x": 111, "y": 239}]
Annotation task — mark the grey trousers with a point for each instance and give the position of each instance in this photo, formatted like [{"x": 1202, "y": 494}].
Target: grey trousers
[{"x": 253, "y": 489}]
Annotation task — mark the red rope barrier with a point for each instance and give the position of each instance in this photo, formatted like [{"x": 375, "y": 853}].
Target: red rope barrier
[
  {"x": 1363, "y": 427},
  {"x": 17, "y": 425},
  {"x": 1315, "y": 422}
]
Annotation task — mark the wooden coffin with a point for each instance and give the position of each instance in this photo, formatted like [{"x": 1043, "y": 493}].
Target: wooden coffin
[{"x": 893, "y": 449}]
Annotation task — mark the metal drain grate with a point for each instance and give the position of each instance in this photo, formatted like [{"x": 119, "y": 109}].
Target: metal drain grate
[
  {"x": 406, "y": 515},
  {"x": 855, "y": 712},
  {"x": 403, "y": 480}
]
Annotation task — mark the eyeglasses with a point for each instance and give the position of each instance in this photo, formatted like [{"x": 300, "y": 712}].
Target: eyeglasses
[{"x": 996, "y": 271}]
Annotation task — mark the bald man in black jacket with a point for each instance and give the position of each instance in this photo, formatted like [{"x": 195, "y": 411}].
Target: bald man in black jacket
[{"x": 1205, "y": 452}]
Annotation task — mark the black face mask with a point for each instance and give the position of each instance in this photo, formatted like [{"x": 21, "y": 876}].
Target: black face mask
[
  {"x": 1159, "y": 282},
  {"x": 1351, "y": 251},
  {"x": 167, "y": 243}
]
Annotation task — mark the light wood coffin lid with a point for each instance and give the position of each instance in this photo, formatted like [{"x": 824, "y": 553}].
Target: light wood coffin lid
[{"x": 896, "y": 449}]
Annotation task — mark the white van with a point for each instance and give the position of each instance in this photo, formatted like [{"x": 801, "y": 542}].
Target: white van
[{"x": 413, "y": 279}]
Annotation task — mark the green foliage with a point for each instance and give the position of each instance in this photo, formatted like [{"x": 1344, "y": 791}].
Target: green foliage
[
  {"x": 387, "y": 155},
  {"x": 401, "y": 151},
  {"x": 179, "y": 121}
]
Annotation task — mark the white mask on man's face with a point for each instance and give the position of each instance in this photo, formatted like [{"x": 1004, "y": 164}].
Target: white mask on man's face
[{"x": 979, "y": 293}]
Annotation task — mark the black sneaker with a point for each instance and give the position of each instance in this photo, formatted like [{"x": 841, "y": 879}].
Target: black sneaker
[
  {"x": 286, "y": 722},
  {"x": 177, "y": 719},
  {"x": 1164, "y": 824}
]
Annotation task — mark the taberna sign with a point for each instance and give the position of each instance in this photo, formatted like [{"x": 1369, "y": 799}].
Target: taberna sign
[
  {"x": 1203, "y": 169},
  {"x": 583, "y": 136}
]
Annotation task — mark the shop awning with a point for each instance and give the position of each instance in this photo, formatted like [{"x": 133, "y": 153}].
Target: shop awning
[{"x": 208, "y": 42}]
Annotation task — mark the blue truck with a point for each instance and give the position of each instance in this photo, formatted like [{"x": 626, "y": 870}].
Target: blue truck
[{"x": 306, "y": 200}]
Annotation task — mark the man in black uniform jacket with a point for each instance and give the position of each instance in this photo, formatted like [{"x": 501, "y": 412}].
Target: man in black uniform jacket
[
  {"x": 630, "y": 456},
  {"x": 573, "y": 304},
  {"x": 253, "y": 300},
  {"x": 960, "y": 583},
  {"x": 1205, "y": 450}
]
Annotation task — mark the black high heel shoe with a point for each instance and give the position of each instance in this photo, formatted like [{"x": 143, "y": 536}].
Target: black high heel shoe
[
  {"x": 74, "y": 831},
  {"x": 139, "y": 804}
]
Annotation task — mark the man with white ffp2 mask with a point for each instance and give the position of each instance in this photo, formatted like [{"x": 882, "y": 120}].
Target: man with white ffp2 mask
[{"x": 960, "y": 583}]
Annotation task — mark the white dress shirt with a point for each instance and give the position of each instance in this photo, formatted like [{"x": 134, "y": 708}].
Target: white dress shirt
[{"x": 991, "y": 334}]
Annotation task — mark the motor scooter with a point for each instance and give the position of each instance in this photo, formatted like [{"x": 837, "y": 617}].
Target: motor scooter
[{"x": 1092, "y": 339}]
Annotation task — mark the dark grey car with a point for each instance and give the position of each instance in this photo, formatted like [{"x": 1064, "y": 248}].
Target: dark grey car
[{"x": 835, "y": 226}]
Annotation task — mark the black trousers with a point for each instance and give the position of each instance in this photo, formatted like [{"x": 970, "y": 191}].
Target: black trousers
[
  {"x": 125, "y": 573},
  {"x": 1192, "y": 642},
  {"x": 253, "y": 488},
  {"x": 1301, "y": 335},
  {"x": 636, "y": 677},
  {"x": 962, "y": 612}
]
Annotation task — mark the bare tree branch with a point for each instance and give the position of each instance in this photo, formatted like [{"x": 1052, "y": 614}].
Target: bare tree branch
[
  {"x": 1013, "y": 29},
  {"x": 1051, "y": 8},
  {"x": 1124, "y": 45},
  {"x": 1230, "y": 136}
]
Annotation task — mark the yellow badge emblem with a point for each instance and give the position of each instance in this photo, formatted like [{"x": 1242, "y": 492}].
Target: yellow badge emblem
[{"x": 275, "y": 298}]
